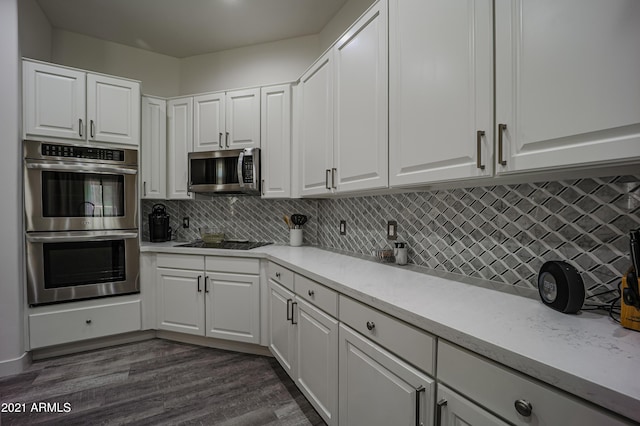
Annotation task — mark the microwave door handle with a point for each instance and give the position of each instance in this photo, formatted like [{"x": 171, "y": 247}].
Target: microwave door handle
[
  {"x": 87, "y": 168},
  {"x": 240, "y": 169},
  {"x": 51, "y": 237}
]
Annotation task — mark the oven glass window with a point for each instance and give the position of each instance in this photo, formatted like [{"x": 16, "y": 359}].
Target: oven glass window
[
  {"x": 218, "y": 171},
  {"x": 67, "y": 194},
  {"x": 80, "y": 263}
]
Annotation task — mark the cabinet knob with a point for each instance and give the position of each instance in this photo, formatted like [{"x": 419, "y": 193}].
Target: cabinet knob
[
  {"x": 311, "y": 293},
  {"x": 277, "y": 274},
  {"x": 88, "y": 321},
  {"x": 370, "y": 325},
  {"x": 523, "y": 407}
]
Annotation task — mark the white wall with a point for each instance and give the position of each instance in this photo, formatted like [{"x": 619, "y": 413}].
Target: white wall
[
  {"x": 159, "y": 74},
  {"x": 256, "y": 65},
  {"x": 12, "y": 355},
  {"x": 342, "y": 20},
  {"x": 35, "y": 31}
]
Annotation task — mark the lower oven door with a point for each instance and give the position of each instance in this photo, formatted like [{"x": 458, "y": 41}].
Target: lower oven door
[{"x": 66, "y": 266}]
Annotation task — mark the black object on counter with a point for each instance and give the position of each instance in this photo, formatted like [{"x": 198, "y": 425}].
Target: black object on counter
[{"x": 159, "y": 229}]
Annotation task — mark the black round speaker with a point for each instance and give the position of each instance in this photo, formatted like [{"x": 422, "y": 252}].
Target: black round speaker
[{"x": 561, "y": 287}]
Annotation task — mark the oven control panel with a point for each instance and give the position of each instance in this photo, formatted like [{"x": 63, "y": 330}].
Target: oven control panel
[{"x": 92, "y": 153}]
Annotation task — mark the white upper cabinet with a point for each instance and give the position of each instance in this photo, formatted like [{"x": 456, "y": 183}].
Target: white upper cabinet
[
  {"x": 71, "y": 104},
  {"x": 276, "y": 141},
  {"x": 343, "y": 112},
  {"x": 153, "y": 148},
  {"x": 208, "y": 122},
  {"x": 113, "y": 110},
  {"x": 567, "y": 91},
  {"x": 441, "y": 90},
  {"x": 54, "y": 101},
  {"x": 243, "y": 119},
  {"x": 316, "y": 127},
  {"x": 361, "y": 104},
  {"x": 228, "y": 120},
  {"x": 179, "y": 144}
]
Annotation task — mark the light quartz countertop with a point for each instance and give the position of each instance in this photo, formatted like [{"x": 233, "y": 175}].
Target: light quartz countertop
[{"x": 587, "y": 355}]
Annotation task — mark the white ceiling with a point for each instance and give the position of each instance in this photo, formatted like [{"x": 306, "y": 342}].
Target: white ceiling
[{"x": 182, "y": 28}]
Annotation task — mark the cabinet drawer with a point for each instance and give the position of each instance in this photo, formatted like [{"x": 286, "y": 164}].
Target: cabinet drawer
[
  {"x": 319, "y": 295},
  {"x": 237, "y": 265},
  {"x": 406, "y": 341},
  {"x": 497, "y": 388},
  {"x": 280, "y": 275},
  {"x": 72, "y": 325},
  {"x": 181, "y": 261}
]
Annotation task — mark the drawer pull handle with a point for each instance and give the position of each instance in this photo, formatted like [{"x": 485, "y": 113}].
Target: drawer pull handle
[
  {"x": 370, "y": 325},
  {"x": 311, "y": 293},
  {"x": 88, "y": 321},
  {"x": 277, "y": 274},
  {"x": 442, "y": 403},
  {"x": 523, "y": 407}
]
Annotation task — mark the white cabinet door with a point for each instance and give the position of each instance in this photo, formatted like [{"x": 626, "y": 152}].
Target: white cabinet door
[
  {"x": 233, "y": 306},
  {"x": 361, "y": 104},
  {"x": 276, "y": 141},
  {"x": 441, "y": 90},
  {"x": 113, "y": 110},
  {"x": 316, "y": 127},
  {"x": 208, "y": 122},
  {"x": 54, "y": 101},
  {"x": 317, "y": 359},
  {"x": 179, "y": 144},
  {"x": 566, "y": 83},
  {"x": 377, "y": 388},
  {"x": 180, "y": 301},
  {"x": 453, "y": 410},
  {"x": 281, "y": 330},
  {"x": 243, "y": 119},
  {"x": 153, "y": 148}
]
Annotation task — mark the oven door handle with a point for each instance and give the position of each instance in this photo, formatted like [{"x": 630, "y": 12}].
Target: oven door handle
[
  {"x": 87, "y": 168},
  {"x": 81, "y": 236}
]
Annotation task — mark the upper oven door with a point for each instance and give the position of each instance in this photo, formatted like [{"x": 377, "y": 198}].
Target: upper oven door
[{"x": 64, "y": 196}]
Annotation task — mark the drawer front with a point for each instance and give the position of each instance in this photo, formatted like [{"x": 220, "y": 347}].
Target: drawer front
[
  {"x": 237, "y": 265},
  {"x": 408, "y": 342},
  {"x": 72, "y": 325},
  {"x": 180, "y": 261},
  {"x": 319, "y": 295},
  {"x": 497, "y": 388},
  {"x": 280, "y": 275}
]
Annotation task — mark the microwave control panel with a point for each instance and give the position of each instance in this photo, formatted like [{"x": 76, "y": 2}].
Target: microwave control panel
[
  {"x": 91, "y": 153},
  {"x": 247, "y": 170}
]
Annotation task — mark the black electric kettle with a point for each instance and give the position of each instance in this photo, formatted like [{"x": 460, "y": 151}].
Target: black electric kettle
[{"x": 159, "y": 229}]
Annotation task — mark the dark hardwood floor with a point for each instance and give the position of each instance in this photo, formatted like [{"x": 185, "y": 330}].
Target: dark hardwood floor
[{"x": 157, "y": 382}]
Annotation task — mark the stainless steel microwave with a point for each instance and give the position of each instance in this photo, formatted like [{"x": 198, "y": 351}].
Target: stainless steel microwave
[{"x": 231, "y": 171}]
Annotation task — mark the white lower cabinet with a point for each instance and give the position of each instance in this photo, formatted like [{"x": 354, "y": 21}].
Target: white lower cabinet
[
  {"x": 76, "y": 321},
  {"x": 317, "y": 358},
  {"x": 453, "y": 410},
  {"x": 304, "y": 340},
  {"x": 209, "y": 296},
  {"x": 378, "y": 388},
  {"x": 517, "y": 398}
]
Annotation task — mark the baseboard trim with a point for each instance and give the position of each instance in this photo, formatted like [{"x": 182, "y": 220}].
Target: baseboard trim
[
  {"x": 15, "y": 366},
  {"x": 210, "y": 342},
  {"x": 89, "y": 345}
]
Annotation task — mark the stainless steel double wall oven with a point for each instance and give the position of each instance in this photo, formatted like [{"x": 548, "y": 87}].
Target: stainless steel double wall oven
[{"x": 81, "y": 221}]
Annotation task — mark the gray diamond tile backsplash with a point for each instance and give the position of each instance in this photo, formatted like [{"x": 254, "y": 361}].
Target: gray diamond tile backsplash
[
  {"x": 500, "y": 233},
  {"x": 239, "y": 217}
]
